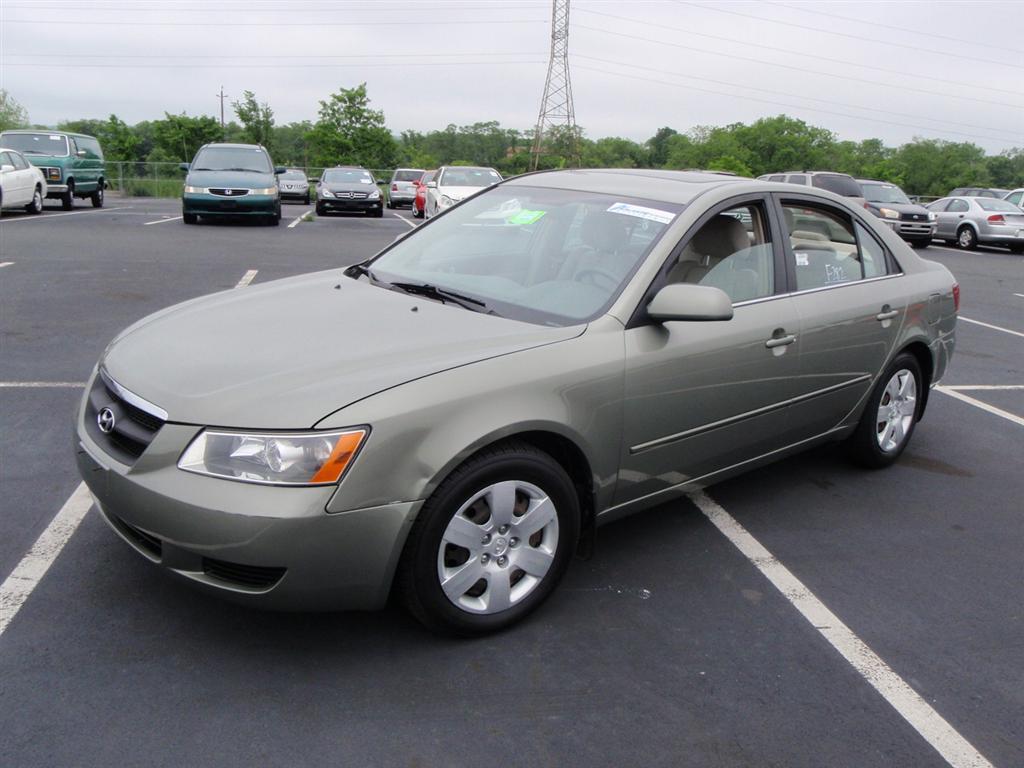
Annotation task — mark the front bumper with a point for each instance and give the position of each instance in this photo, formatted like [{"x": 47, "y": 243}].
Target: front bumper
[
  {"x": 54, "y": 190},
  {"x": 270, "y": 546},
  {"x": 300, "y": 193},
  {"x": 205, "y": 204},
  {"x": 348, "y": 204},
  {"x": 913, "y": 230}
]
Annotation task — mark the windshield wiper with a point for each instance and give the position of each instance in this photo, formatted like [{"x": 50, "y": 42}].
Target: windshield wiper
[
  {"x": 361, "y": 269},
  {"x": 244, "y": 170},
  {"x": 442, "y": 295},
  {"x": 31, "y": 152}
]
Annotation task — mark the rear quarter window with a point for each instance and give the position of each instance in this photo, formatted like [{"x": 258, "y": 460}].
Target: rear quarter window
[{"x": 840, "y": 185}]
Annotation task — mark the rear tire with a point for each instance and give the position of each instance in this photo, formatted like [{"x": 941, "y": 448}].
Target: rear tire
[
  {"x": 890, "y": 414},
  {"x": 305, "y": 200},
  {"x": 97, "y": 196},
  {"x": 67, "y": 200},
  {"x": 507, "y": 489},
  {"x": 36, "y": 206},
  {"x": 966, "y": 238},
  {"x": 1018, "y": 249}
]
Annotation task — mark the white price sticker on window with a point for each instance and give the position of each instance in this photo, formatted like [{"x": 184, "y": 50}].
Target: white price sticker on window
[{"x": 642, "y": 212}]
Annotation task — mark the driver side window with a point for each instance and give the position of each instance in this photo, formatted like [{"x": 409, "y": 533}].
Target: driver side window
[{"x": 732, "y": 251}]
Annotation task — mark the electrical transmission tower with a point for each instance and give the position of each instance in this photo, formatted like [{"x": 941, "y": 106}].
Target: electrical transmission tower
[{"x": 556, "y": 110}]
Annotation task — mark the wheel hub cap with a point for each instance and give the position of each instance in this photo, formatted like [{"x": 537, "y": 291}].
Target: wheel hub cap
[{"x": 896, "y": 410}]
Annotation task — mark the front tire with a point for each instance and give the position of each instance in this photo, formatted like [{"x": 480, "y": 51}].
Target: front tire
[
  {"x": 189, "y": 218},
  {"x": 67, "y": 200},
  {"x": 920, "y": 243},
  {"x": 966, "y": 238},
  {"x": 320, "y": 210},
  {"x": 491, "y": 543},
  {"x": 36, "y": 206},
  {"x": 890, "y": 415},
  {"x": 97, "y": 196}
]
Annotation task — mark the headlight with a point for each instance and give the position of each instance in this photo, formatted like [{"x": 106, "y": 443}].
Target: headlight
[
  {"x": 325, "y": 192},
  {"x": 932, "y": 216},
  {"x": 300, "y": 458},
  {"x": 266, "y": 191},
  {"x": 446, "y": 201},
  {"x": 889, "y": 213},
  {"x": 375, "y": 195},
  {"x": 53, "y": 174},
  {"x": 194, "y": 190}
]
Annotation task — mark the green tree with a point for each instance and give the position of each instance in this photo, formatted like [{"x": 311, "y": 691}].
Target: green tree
[
  {"x": 118, "y": 140},
  {"x": 348, "y": 131},
  {"x": 934, "y": 167},
  {"x": 12, "y": 114},
  {"x": 257, "y": 120},
  {"x": 179, "y": 136},
  {"x": 658, "y": 146}
]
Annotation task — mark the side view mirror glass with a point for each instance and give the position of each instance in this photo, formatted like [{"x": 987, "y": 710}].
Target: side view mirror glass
[
  {"x": 431, "y": 185},
  {"x": 183, "y": 166},
  {"x": 279, "y": 169},
  {"x": 685, "y": 301},
  {"x": 6, "y": 168}
]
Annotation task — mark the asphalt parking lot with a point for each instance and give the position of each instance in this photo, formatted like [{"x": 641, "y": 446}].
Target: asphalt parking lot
[{"x": 668, "y": 647}]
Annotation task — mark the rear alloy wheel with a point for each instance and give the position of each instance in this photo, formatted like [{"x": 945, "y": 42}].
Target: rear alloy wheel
[
  {"x": 966, "y": 239},
  {"x": 491, "y": 543},
  {"x": 36, "y": 206},
  {"x": 97, "y": 196},
  {"x": 67, "y": 200},
  {"x": 889, "y": 416}
]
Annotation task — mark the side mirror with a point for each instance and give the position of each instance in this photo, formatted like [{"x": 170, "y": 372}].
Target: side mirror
[
  {"x": 685, "y": 301},
  {"x": 431, "y": 185},
  {"x": 80, "y": 153},
  {"x": 6, "y": 168},
  {"x": 183, "y": 166},
  {"x": 279, "y": 169}
]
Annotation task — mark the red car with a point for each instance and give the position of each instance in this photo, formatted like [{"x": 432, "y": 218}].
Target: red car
[{"x": 421, "y": 194}]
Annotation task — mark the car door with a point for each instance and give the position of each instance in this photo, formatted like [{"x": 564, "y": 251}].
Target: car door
[
  {"x": 850, "y": 299},
  {"x": 703, "y": 396},
  {"x": 939, "y": 209},
  {"x": 26, "y": 176},
  {"x": 13, "y": 182},
  {"x": 952, "y": 217}
]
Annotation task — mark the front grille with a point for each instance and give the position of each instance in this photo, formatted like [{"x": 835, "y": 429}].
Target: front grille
[
  {"x": 133, "y": 428},
  {"x": 247, "y": 576},
  {"x": 225, "y": 192},
  {"x": 141, "y": 539},
  {"x": 913, "y": 217},
  {"x": 351, "y": 195}
]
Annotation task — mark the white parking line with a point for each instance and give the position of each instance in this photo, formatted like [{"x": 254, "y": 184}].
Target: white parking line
[
  {"x": 48, "y": 216},
  {"x": 945, "y": 739},
  {"x": 304, "y": 216},
  {"x": 41, "y": 384},
  {"x": 161, "y": 221},
  {"x": 968, "y": 387},
  {"x": 989, "y": 325},
  {"x": 5, "y": 264},
  {"x": 1019, "y": 294},
  {"x": 411, "y": 223},
  {"x": 246, "y": 278},
  {"x": 1011, "y": 417},
  {"x": 33, "y": 566}
]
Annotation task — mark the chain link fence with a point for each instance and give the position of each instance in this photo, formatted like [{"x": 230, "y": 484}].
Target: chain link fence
[{"x": 159, "y": 179}]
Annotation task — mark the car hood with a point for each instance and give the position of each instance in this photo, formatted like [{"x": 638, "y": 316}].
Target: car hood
[
  {"x": 286, "y": 354},
  {"x": 232, "y": 179},
  {"x": 901, "y": 207},
  {"x": 458, "y": 193}
]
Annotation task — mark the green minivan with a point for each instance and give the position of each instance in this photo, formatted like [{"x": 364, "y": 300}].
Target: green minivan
[{"x": 71, "y": 162}]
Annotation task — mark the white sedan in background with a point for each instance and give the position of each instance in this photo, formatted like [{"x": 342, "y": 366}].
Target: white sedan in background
[
  {"x": 21, "y": 184},
  {"x": 454, "y": 183}
]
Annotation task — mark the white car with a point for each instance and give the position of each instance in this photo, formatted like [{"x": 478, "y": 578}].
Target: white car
[
  {"x": 1016, "y": 197},
  {"x": 21, "y": 184},
  {"x": 454, "y": 183}
]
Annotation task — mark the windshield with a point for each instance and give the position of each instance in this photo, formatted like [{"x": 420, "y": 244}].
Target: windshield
[
  {"x": 990, "y": 204},
  {"x": 837, "y": 183},
  {"x": 546, "y": 256},
  {"x": 293, "y": 175},
  {"x": 52, "y": 144},
  {"x": 468, "y": 177},
  {"x": 884, "y": 193},
  {"x": 347, "y": 176},
  {"x": 407, "y": 175},
  {"x": 232, "y": 159}
]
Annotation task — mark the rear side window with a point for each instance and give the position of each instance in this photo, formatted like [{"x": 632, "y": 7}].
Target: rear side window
[
  {"x": 991, "y": 204},
  {"x": 1015, "y": 198},
  {"x": 406, "y": 175},
  {"x": 797, "y": 178},
  {"x": 825, "y": 248},
  {"x": 837, "y": 183},
  {"x": 872, "y": 255},
  {"x": 958, "y": 206},
  {"x": 777, "y": 177},
  {"x": 18, "y": 161}
]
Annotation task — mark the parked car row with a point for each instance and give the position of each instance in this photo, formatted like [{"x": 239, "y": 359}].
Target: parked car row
[
  {"x": 966, "y": 217},
  {"x": 428, "y": 193},
  {"x": 71, "y": 165}
]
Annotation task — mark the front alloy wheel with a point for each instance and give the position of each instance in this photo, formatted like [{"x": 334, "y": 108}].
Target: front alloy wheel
[{"x": 492, "y": 542}]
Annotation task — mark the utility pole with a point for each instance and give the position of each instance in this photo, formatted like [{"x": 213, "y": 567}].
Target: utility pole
[
  {"x": 222, "y": 96},
  {"x": 556, "y": 110}
]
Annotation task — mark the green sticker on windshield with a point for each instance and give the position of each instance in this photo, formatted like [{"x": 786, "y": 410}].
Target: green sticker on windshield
[{"x": 523, "y": 216}]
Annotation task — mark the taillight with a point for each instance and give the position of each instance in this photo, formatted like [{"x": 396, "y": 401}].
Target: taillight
[
  {"x": 996, "y": 218},
  {"x": 956, "y": 296},
  {"x": 394, "y": 187}
]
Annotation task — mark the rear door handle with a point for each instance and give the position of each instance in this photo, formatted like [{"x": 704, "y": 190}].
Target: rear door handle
[
  {"x": 780, "y": 341},
  {"x": 886, "y": 314}
]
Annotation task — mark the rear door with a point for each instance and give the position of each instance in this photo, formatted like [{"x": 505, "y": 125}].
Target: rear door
[
  {"x": 13, "y": 181},
  {"x": 848, "y": 293}
]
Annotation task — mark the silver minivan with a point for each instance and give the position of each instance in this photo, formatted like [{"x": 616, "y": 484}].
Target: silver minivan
[{"x": 402, "y": 187}]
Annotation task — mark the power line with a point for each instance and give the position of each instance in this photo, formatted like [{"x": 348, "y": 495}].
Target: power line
[
  {"x": 807, "y": 9},
  {"x": 1016, "y": 134},
  {"x": 861, "y": 38},
  {"x": 804, "y": 70},
  {"x": 209, "y": 23},
  {"x": 791, "y": 52},
  {"x": 178, "y": 65},
  {"x": 783, "y": 104},
  {"x": 76, "y": 56}
]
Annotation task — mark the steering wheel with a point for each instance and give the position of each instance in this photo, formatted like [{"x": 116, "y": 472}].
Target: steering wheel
[{"x": 595, "y": 276}]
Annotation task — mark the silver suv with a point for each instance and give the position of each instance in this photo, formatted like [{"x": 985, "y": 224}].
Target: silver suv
[
  {"x": 841, "y": 184},
  {"x": 402, "y": 187}
]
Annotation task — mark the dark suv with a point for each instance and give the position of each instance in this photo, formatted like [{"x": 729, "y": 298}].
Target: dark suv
[{"x": 913, "y": 222}]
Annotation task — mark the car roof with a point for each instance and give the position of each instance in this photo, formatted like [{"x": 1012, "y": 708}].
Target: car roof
[
  {"x": 670, "y": 186},
  {"x": 233, "y": 144},
  {"x": 876, "y": 181},
  {"x": 49, "y": 130}
]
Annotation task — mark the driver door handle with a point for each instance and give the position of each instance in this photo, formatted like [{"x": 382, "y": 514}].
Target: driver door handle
[
  {"x": 780, "y": 341},
  {"x": 886, "y": 313}
]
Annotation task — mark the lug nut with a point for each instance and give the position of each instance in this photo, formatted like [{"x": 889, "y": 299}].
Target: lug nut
[
  {"x": 513, "y": 542},
  {"x": 485, "y": 558},
  {"x": 487, "y": 539},
  {"x": 503, "y": 529},
  {"x": 502, "y": 561}
]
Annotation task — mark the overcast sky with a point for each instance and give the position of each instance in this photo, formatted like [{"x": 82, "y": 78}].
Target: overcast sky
[{"x": 892, "y": 70}]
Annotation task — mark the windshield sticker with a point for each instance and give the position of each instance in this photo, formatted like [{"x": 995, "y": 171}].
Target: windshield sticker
[
  {"x": 802, "y": 260},
  {"x": 524, "y": 216},
  {"x": 56, "y": 138},
  {"x": 642, "y": 212}
]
